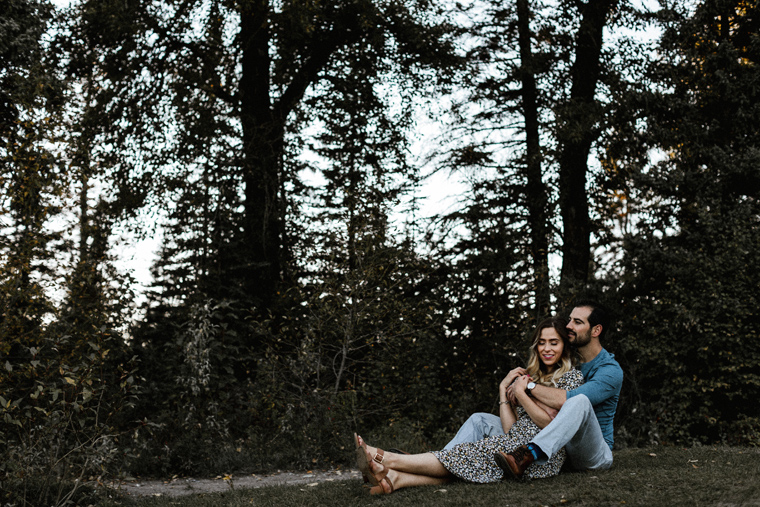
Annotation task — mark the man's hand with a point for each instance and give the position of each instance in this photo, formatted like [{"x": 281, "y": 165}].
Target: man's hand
[{"x": 551, "y": 412}]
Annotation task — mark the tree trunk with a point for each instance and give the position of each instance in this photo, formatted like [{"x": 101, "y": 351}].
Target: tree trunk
[
  {"x": 263, "y": 121},
  {"x": 578, "y": 121},
  {"x": 262, "y": 147},
  {"x": 535, "y": 190}
]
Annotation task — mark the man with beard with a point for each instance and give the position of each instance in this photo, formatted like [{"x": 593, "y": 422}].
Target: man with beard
[{"x": 583, "y": 424}]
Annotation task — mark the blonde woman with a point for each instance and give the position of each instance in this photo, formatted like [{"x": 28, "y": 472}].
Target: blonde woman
[{"x": 521, "y": 419}]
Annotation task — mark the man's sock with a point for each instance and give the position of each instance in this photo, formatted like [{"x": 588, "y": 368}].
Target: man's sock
[{"x": 536, "y": 451}]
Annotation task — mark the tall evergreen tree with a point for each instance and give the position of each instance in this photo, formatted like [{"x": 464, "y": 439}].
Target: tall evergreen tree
[
  {"x": 56, "y": 395},
  {"x": 30, "y": 177},
  {"x": 343, "y": 348},
  {"x": 530, "y": 127},
  {"x": 536, "y": 193},
  {"x": 229, "y": 78}
]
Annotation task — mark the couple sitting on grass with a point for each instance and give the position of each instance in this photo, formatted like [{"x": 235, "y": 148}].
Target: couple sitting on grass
[{"x": 548, "y": 411}]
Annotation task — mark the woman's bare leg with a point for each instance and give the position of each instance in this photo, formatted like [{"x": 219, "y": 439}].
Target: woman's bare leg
[
  {"x": 396, "y": 480},
  {"x": 425, "y": 464}
]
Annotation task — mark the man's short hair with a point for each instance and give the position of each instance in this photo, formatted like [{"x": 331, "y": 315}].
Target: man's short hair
[{"x": 598, "y": 316}]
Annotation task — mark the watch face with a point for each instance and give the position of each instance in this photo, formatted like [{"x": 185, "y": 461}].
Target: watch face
[{"x": 531, "y": 385}]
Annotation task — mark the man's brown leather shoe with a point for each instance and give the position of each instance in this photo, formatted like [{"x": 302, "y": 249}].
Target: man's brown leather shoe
[{"x": 515, "y": 462}]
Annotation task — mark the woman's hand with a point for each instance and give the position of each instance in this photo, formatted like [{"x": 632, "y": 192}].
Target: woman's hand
[
  {"x": 519, "y": 386},
  {"x": 511, "y": 376},
  {"x": 522, "y": 382},
  {"x": 506, "y": 401}
]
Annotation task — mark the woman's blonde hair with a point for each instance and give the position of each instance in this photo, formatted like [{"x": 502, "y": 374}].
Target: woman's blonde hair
[{"x": 536, "y": 368}]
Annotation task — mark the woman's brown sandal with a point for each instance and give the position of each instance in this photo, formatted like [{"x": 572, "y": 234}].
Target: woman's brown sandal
[
  {"x": 380, "y": 489},
  {"x": 362, "y": 462}
]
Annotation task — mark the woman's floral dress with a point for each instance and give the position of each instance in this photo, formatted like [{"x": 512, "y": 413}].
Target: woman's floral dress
[{"x": 474, "y": 461}]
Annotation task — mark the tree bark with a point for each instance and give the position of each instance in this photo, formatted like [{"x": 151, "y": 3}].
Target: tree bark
[
  {"x": 578, "y": 119},
  {"x": 536, "y": 193},
  {"x": 263, "y": 121},
  {"x": 262, "y": 147}
]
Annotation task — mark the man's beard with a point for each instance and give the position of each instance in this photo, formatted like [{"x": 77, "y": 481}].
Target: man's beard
[{"x": 581, "y": 340}]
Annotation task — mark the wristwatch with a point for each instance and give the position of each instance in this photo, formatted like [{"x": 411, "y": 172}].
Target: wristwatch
[{"x": 531, "y": 385}]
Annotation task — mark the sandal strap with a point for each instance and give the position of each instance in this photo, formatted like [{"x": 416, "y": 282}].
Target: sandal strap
[
  {"x": 379, "y": 456},
  {"x": 390, "y": 483}
]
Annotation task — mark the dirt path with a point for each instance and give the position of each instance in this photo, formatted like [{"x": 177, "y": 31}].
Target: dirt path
[{"x": 186, "y": 486}]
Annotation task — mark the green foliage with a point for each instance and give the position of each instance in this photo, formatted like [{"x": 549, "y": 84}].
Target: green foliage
[
  {"x": 59, "y": 405},
  {"x": 691, "y": 302},
  {"x": 65, "y": 376},
  {"x": 358, "y": 349},
  {"x": 196, "y": 394},
  {"x": 31, "y": 181},
  {"x": 688, "y": 323},
  {"x": 489, "y": 299}
]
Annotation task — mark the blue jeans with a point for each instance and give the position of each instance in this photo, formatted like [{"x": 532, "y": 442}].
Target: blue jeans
[
  {"x": 577, "y": 430},
  {"x": 477, "y": 427}
]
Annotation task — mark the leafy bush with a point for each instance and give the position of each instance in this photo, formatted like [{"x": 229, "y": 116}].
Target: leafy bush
[
  {"x": 196, "y": 392},
  {"x": 58, "y": 409},
  {"x": 693, "y": 310}
]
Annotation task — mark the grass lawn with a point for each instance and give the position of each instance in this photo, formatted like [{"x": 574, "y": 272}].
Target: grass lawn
[{"x": 719, "y": 476}]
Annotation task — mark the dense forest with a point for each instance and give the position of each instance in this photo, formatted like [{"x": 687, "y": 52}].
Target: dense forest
[{"x": 277, "y": 150}]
